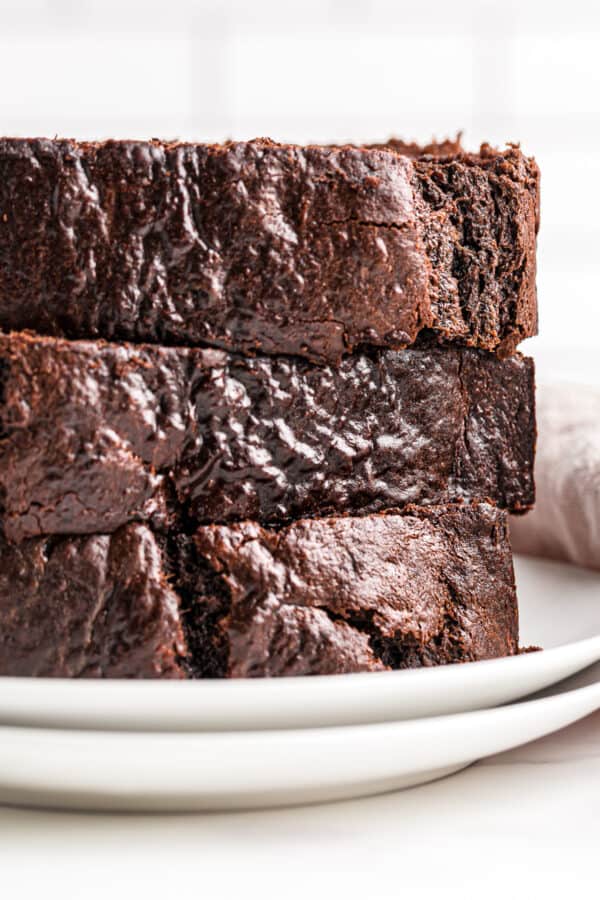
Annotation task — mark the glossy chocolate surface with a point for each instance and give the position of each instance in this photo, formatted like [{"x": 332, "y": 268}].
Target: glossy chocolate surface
[
  {"x": 89, "y": 606},
  {"x": 270, "y": 248},
  {"x": 427, "y": 587},
  {"x": 94, "y": 435}
]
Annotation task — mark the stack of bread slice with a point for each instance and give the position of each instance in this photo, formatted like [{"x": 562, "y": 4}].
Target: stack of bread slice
[{"x": 261, "y": 409}]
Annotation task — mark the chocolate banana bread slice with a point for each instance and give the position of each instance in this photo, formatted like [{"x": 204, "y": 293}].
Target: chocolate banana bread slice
[
  {"x": 421, "y": 588},
  {"x": 94, "y": 435},
  {"x": 266, "y": 247}
]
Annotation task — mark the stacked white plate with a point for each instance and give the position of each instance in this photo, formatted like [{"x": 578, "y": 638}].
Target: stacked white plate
[{"x": 126, "y": 745}]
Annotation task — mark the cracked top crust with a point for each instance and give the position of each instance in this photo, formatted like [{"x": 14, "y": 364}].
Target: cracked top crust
[
  {"x": 263, "y": 247},
  {"x": 94, "y": 435}
]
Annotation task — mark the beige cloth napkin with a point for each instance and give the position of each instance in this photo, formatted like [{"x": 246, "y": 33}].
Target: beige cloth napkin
[{"x": 565, "y": 523}]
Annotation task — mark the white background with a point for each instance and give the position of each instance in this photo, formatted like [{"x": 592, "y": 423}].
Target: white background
[{"x": 335, "y": 70}]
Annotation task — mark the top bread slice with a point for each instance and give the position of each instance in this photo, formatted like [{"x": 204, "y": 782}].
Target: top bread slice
[{"x": 270, "y": 248}]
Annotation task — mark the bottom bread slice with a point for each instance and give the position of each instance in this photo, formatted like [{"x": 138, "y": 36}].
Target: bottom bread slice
[{"x": 423, "y": 587}]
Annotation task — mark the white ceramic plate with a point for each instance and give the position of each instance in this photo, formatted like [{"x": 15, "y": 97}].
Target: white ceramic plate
[
  {"x": 560, "y": 609},
  {"x": 236, "y": 770}
]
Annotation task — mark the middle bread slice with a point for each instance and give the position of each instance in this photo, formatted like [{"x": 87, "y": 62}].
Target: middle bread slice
[{"x": 94, "y": 435}]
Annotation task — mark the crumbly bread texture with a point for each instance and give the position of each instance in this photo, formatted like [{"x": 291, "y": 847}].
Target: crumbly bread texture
[
  {"x": 426, "y": 587},
  {"x": 93, "y": 435},
  {"x": 263, "y": 247}
]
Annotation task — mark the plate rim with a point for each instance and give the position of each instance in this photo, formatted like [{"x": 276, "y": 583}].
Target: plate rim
[
  {"x": 286, "y": 704},
  {"x": 204, "y": 777}
]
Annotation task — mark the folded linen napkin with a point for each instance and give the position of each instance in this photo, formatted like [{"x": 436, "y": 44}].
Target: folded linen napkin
[{"x": 565, "y": 523}]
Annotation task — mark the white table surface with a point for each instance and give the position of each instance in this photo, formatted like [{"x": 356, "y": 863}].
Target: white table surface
[{"x": 521, "y": 824}]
